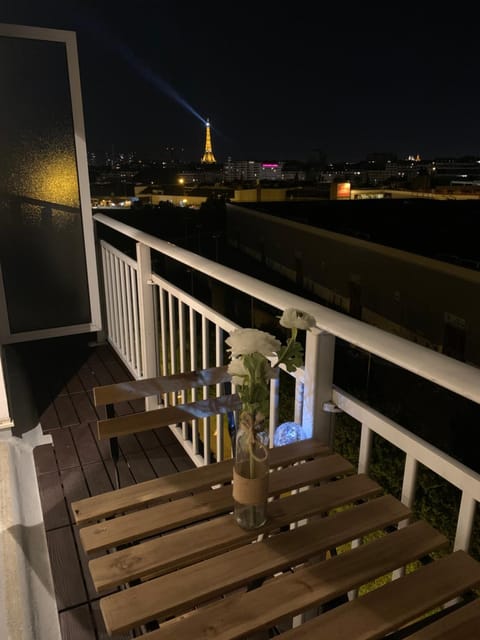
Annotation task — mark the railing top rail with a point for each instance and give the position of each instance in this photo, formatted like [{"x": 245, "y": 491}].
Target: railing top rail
[{"x": 447, "y": 372}]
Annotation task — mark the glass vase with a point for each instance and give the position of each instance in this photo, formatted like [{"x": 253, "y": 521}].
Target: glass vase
[{"x": 250, "y": 477}]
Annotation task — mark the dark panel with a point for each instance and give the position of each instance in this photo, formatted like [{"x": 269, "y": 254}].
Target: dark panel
[{"x": 41, "y": 235}]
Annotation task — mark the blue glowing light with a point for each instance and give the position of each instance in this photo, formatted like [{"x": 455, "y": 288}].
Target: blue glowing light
[{"x": 288, "y": 432}]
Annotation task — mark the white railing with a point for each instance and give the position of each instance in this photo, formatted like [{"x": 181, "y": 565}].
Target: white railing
[
  {"x": 5, "y": 419},
  {"x": 172, "y": 331}
]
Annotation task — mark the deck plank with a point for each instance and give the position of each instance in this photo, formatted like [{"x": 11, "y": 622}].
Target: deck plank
[
  {"x": 77, "y": 623},
  {"x": 66, "y": 411},
  {"x": 85, "y": 443},
  {"x": 97, "y": 478},
  {"x": 66, "y": 569},
  {"x": 45, "y": 460},
  {"x": 162, "y": 463},
  {"x": 74, "y": 385},
  {"x": 54, "y": 505},
  {"x": 65, "y": 449},
  {"x": 84, "y": 407}
]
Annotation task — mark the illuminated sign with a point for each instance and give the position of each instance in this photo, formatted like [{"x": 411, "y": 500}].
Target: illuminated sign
[{"x": 343, "y": 190}]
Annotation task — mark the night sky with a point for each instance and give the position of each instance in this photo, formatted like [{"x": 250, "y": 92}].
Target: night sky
[{"x": 278, "y": 82}]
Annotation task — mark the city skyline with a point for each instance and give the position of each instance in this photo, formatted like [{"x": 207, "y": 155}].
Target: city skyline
[{"x": 274, "y": 86}]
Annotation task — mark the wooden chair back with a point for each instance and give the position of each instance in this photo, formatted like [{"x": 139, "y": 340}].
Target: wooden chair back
[{"x": 172, "y": 391}]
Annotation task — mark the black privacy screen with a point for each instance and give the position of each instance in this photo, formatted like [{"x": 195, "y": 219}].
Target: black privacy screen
[{"x": 42, "y": 253}]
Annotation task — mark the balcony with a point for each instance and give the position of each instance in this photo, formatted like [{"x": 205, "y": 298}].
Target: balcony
[
  {"x": 153, "y": 326},
  {"x": 166, "y": 310}
]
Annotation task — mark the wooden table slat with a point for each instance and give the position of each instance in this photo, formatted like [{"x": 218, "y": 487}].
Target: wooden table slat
[
  {"x": 461, "y": 624},
  {"x": 399, "y": 602},
  {"x": 309, "y": 586},
  {"x": 177, "y": 484},
  {"x": 175, "y": 592},
  {"x": 161, "y": 518},
  {"x": 205, "y": 539},
  {"x": 187, "y": 559}
]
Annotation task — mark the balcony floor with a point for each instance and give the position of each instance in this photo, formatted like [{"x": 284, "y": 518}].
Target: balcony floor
[{"x": 51, "y": 383}]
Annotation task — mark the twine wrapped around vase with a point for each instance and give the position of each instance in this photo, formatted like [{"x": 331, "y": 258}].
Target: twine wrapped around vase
[{"x": 251, "y": 471}]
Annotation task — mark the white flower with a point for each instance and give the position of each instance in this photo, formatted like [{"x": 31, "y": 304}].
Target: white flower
[
  {"x": 237, "y": 370},
  {"x": 295, "y": 319},
  {"x": 251, "y": 368},
  {"x": 245, "y": 341}
]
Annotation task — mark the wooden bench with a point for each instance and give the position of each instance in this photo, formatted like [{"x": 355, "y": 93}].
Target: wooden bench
[
  {"x": 171, "y": 392},
  {"x": 178, "y": 580}
]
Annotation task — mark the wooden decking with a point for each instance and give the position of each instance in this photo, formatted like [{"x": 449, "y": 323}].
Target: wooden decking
[{"x": 62, "y": 375}]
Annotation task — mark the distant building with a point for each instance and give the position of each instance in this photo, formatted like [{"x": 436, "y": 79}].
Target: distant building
[
  {"x": 455, "y": 171},
  {"x": 425, "y": 300},
  {"x": 254, "y": 171}
]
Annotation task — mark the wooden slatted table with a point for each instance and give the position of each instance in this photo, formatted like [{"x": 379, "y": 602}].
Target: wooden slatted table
[{"x": 181, "y": 568}]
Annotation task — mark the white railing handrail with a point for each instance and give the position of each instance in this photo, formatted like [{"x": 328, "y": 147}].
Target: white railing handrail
[
  {"x": 424, "y": 452},
  {"x": 459, "y": 377}
]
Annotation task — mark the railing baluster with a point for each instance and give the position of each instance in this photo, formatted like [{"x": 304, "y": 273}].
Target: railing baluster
[
  {"x": 137, "y": 363},
  {"x": 365, "y": 450},
  {"x": 123, "y": 308},
  {"x": 193, "y": 364},
  {"x": 163, "y": 330},
  {"x": 116, "y": 314},
  {"x": 220, "y": 441},
  {"x": 299, "y": 393},
  {"x": 129, "y": 318},
  {"x": 466, "y": 516},
  {"x": 409, "y": 486},
  {"x": 172, "y": 328}
]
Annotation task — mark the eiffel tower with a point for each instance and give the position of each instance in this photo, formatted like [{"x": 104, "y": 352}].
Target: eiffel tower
[{"x": 208, "y": 157}]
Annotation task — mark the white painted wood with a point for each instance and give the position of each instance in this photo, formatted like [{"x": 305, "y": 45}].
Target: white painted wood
[
  {"x": 314, "y": 381},
  {"x": 430, "y": 456},
  {"x": 5, "y": 419},
  {"x": 447, "y": 372},
  {"x": 146, "y": 313},
  {"x": 318, "y": 381},
  {"x": 466, "y": 516},
  {"x": 365, "y": 452},
  {"x": 28, "y": 609}
]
